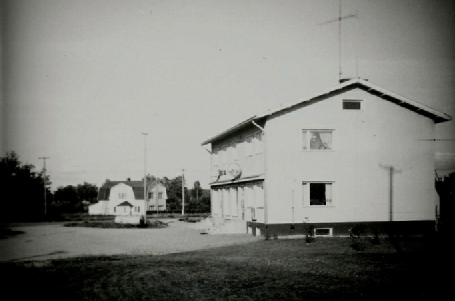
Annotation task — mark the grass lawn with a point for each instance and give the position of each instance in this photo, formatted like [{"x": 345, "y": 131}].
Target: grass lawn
[{"x": 326, "y": 269}]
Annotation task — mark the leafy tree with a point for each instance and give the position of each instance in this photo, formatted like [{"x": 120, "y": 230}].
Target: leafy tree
[
  {"x": 197, "y": 190},
  {"x": 200, "y": 201},
  {"x": 174, "y": 193},
  {"x": 66, "y": 199},
  {"x": 25, "y": 187},
  {"x": 87, "y": 192},
  {"x": 70, "y": 199}
]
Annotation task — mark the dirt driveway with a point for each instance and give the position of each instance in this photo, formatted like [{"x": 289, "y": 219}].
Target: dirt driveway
[{"x": 41, "y": 242}]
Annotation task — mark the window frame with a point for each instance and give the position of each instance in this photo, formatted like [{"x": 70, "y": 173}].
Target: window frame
[
  {"x": 258, "y": 146},
  {"x": 249, "y": 149},
  {"x": 357, "y": 101},
  {"x": 306, "y": 140},
  {"x": 306, "y": 193},
  {"x": 319, "y": 234}
]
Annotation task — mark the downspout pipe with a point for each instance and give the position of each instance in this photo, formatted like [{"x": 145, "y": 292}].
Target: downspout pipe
[
  {"x": 210, "y": 180},
  {"x": 258, "y": 126},
  {"x": 264, "y": 143}
]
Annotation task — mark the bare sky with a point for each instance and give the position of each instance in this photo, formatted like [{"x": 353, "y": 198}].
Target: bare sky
[{"x": 83, "y": 79}]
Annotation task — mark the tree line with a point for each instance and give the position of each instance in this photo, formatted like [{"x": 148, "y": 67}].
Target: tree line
[{"x": 28, "y": 200}]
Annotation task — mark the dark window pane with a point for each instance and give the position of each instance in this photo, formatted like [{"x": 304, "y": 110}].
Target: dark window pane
[
  {"x": 325, "y": 231},
  {"x": 351, "y": 105},
  {"x": 317, "y": 194}
]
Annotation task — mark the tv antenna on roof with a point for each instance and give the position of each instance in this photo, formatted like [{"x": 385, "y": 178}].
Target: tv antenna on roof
[{"x": 339, "y": 19}]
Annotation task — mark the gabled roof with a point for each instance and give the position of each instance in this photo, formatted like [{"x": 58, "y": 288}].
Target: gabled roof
[
  {"x": 419, "y": 108},
  {"x": 125, "y": 204}
]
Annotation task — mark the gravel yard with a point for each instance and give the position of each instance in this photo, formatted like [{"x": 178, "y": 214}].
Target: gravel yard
[{"x": 54, "y": 241}]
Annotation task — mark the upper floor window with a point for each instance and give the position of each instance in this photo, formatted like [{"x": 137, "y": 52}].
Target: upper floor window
[
  {"x": 258, "y": 142},
  {"x": 235, "y": 148},
  {"x": 160, "y": 195},
  {"x": 317, "y": 139},
  {"x": 216, "y": 157},
  {"x": 224, "y": 155},
  {"x": 150, "y": 195},
  {"x": 122, "y": 195},
  {"x": 351, "y": 104},
  {"x": 249, "y": 146}
]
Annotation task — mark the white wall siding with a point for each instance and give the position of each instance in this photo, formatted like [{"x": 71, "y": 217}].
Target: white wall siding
[{"x": 364, "y": 143}]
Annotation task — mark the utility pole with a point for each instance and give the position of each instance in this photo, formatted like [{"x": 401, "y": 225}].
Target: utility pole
[
  {"x": 183, "y": 192},
  {"x": 145, "y": 177},
  {"x": 44, "y": 183},
  {"x": 156, "y": 196}
]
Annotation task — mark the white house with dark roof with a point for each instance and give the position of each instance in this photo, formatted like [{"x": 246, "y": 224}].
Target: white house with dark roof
[
  {"x": 127, "y": 198},
  {"x": 355, "y": 154},
  {"x": 157, "y": 197}
]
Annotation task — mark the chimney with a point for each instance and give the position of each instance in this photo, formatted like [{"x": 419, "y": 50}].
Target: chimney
[{"x": 128, "y": 179}]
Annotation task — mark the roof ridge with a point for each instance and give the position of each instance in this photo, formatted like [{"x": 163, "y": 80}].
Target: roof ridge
[{"x": 413, "y": 105}]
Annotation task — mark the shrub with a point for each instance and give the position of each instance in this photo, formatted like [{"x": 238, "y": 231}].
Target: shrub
[
  {"x": 309, "y": 236},
  {"x": 357, "y": 234},
  {"x": 358, "y": 244}
]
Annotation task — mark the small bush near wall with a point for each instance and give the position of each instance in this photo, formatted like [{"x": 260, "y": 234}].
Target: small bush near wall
[
  {"x": 361, "y": 235},
  {"x": 357, "y": 235},
  {"x": 309, "y": 236}
]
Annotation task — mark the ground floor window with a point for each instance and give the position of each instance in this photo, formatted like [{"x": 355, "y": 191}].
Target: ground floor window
[{"x": 317, "y": 193}]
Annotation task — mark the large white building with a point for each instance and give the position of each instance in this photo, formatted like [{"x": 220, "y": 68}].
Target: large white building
[
  {"x": 355, "y": 154},
  {"x": 127, "y": 198}
]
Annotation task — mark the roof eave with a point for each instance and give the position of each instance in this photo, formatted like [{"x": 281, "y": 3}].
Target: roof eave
[
  {"x": 230, "y": 130},
  {"x": 437, "y": 116}
]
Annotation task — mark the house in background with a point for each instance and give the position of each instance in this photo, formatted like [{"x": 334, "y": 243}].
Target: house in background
[
  {"x": 127, "y": 198},
  {"x": 355, "y": 154},
  {"x": 157, "y": 197}
]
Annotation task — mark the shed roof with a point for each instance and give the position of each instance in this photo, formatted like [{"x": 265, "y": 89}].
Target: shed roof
[{"x": 412, "y": 105}]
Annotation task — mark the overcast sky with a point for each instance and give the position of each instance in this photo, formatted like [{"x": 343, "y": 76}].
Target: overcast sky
[{"x": 83, "y": 79}]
